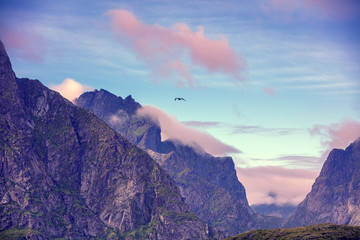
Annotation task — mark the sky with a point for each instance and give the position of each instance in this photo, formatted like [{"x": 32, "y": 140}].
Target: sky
[{"x": 272, "y": 83}]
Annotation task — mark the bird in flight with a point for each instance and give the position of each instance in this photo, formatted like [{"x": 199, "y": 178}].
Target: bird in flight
[{"x": 179, "y": 98}]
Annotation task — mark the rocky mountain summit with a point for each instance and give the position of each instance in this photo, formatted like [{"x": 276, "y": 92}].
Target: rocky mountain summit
[
  {"x": 208, "y": 184},
  {"x": 335, "y": 195},
  {"x": 64, "y": 173}
]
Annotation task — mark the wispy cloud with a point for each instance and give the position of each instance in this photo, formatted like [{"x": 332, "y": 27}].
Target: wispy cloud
[
  {"x": 292, "y": 161},
  {"x": 236, "y": 110},
  {"x": 329, "y": 85},
  {"x": 25, "y": 42},
  {"x": 202, "y": 124},
  {"x": 255, "y": 129},
  {"x": 171, "y": 128},
  {"x": 164, "y": 49},
  {"x": 70, "y": 89},
  {"x": 276, "y": 184},
  {"x": 337, "y": 135},
  {"x": 244, "y": 129},
  {"x": 319, "y": 9},
  {"x": 270, "y": 91}
]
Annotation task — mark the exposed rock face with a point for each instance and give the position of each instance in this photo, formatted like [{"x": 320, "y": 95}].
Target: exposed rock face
[
  {"x": 208, "y": 184},
  {"x": 65, "y": 174},
  {"x": 335, "y": 195}
]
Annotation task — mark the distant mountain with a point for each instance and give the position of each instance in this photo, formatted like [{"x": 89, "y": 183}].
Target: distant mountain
[
  {"x": 335, "y": 195},
  {"x": 321, "y": 231},
  {"x": 272, "y": 215},
  {"x": 282, "y": 211},
  {"x": 65, "y": 174},
  {"x": 208, "y": 184}
]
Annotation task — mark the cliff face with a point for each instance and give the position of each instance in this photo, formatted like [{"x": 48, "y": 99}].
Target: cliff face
[
  {"x": 65, "y": 174},
  {"x": 335, "y": 195},
  {"x": 208, "y": 184}
]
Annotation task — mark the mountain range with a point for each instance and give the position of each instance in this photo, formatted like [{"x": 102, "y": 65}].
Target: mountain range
[
  {"x": 209, "y": 184},
  {"x": 64, "y": 173},
  {"x": 98, "y": 170}
]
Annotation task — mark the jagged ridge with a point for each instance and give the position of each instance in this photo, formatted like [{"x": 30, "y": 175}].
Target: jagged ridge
[
  {"x": 208, "y": 184},
  {"x": 65, "y": 174}
]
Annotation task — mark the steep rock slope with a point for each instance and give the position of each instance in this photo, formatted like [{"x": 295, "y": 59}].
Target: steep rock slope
[
  {"x": 335, "y": 195},
  {"x": 208, "y": 184},
  {"x": 65, "y": 174}
]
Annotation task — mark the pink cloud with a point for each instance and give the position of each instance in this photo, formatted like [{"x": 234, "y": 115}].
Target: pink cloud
[
  {"x": 179, "y": 69},
  {"x": 270, "y": 91},
  {"x": 201, "y": 124},
  {"x": 276, "y": 184},
  {"x": 171, "y": 128},
  {"x": 164, "y": 48},
  {"x": 337, "y": 135},
  {"x": 322, "y": 9},
  {"x": 70, "y": 89},
  {"x": 26, "y": 43}
]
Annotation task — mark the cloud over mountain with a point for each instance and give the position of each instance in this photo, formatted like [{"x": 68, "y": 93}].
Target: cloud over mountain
[
  {"x": 337, "y": 135},
  {"x": 70, "y": 89},
  {"x": 171, "y": 128}
]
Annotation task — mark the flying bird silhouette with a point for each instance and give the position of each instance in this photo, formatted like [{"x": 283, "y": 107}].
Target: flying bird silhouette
[{"x": 179, "y": 98}]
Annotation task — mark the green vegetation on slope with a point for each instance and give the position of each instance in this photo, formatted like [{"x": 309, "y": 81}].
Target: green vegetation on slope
[
  {"x": 321, "y": 231},
  {"x": 18, "y": 233}
]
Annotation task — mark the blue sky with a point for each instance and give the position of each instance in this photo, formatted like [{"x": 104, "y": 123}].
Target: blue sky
[{"x": 295, "y": 95}]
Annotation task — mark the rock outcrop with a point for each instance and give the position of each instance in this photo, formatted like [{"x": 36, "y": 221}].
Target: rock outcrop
[
  {"x": 209, "y": 184},
  {"x": 64, "y": 173},
  {"x": 335, "y": 195}
]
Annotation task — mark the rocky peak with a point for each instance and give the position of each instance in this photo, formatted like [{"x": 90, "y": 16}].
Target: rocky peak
[
  {"x": 7, "y": 81},
  {"x": 208, "y": 184},
  {"x": 65, "y": 174},
  {"x": 130, "y": 105},
  {"x": 105, "y": 104},
  {"x": 6, "y": 71},
  {"x": 335, "y": 195},
  {"x": 99, "y": 100}
]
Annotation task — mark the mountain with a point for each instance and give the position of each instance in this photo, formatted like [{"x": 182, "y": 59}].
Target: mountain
[
  {"x": 64, "y": 173},
  {"x": 282, "y": 211},
  {"x": 209, "y": 184},
  {"x": 272, "y": 215},
  {"x": 321, "y": 231},
  {"x": 335, "y": 195}
]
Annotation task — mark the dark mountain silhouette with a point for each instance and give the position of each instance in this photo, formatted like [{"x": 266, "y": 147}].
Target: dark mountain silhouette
[
  {"x": 65, "y": 174},
  {"x": 208, "y": 184}
]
